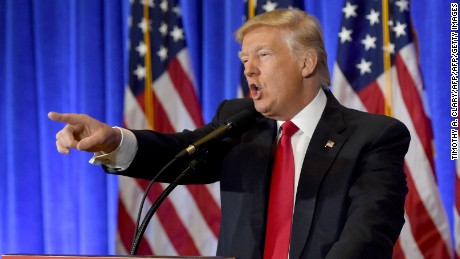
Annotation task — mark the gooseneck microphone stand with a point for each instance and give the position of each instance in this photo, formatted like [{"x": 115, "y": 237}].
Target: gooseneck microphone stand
[{"x": 140, "y": 230}]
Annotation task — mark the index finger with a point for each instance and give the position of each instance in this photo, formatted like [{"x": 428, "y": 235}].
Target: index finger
[{"x": 68, "y": 118}]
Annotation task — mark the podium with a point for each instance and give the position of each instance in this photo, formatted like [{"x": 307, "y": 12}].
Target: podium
[{"x": 18, "y": 256}]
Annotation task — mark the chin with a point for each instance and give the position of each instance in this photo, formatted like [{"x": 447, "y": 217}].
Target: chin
[
  {"x": 263, "y": 109},
  {"x": 260, "y": 108},
  {"x": 267, "y": 114}
]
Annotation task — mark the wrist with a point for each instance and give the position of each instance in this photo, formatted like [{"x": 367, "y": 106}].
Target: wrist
[{"x": 115, "y": 140}]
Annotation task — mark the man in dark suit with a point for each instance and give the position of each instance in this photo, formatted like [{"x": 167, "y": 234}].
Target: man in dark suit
[{"x": 348, "y": 180}]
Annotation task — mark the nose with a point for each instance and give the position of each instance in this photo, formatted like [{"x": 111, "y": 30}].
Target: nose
[{"x": 250, "y": 68}]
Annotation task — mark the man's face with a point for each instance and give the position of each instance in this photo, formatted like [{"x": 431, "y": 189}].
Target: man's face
[{"x": 274, "y": 75}]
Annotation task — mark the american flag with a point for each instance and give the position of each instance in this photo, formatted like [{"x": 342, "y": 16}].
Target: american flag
[
  {"x": 377, "y": 70},
  {"x": 162, "y": 95},
  {"x": 255, "y": 7}
]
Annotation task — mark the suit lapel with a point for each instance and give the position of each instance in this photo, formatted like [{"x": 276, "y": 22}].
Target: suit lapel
[
  {"x": 324, "y": 146},
  {"x": 260, "y": 175}
]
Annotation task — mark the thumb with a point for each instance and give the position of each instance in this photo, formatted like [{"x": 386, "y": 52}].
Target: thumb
[{"x": 88, "y": 144}]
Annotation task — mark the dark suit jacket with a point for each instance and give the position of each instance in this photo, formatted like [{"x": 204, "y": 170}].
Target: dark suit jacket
[{"x": 350, "y": 197}]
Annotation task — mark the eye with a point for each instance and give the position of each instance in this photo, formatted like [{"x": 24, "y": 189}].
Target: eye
[{"x": 264, "y": 54}]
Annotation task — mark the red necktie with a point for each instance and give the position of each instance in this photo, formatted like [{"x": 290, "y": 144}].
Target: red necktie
[{"x": 281, "y": 198}]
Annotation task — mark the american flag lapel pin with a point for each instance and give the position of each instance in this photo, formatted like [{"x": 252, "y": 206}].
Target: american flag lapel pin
[{"x": 329, "y": 144}]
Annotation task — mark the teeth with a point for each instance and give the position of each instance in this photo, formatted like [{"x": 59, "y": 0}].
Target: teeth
[{"x": 255, "y": 88}]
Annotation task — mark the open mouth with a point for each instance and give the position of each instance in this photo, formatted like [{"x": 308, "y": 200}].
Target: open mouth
[{"x": 255, "y": 91}]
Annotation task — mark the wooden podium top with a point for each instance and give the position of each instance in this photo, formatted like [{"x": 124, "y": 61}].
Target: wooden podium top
[{"x": 19, "y": 256}]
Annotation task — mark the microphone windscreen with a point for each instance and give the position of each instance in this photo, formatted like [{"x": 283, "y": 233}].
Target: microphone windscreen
[{"x": 243, "y": 120}]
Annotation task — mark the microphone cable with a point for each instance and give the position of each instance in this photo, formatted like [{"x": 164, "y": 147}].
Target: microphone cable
[
  {"x": 140, "y": 232},
  {"x": 139, "y": 213}
]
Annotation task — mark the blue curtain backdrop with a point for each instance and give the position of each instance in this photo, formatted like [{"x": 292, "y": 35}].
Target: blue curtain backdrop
[{"x": 70, "y": 56}]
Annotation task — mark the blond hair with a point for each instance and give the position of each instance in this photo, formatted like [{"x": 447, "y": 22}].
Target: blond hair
[{"x": 305, "y": 33}]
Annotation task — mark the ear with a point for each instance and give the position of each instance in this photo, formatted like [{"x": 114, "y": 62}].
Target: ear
[{"x": 309, "y": 63}]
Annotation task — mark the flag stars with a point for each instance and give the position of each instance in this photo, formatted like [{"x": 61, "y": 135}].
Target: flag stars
[
  {"x": 140, "y": 72},
  {"x": 141, "y": 48},
  {"x": 345, "y": 35},
  {"x": 164, "y": 6},
  {"x": 177, "y": 34},
  {"x": 390, "y": 47},
  {"x": 177, "y": 11},
  {"x": 364, "y": 66},
  {"x": 270, "y": 6},
  {"x": 369, "y": 42},
  {"x": 350, "y": 10},
  {"x": 163, "y": 29},
  {"x": 390, "y": 23},
  {"x": 373, "y": 17},
  {"x": 144, "y": 25},
  {"x": 162, "y": 53},
  {"x": 403, "y": 5},
  {"x": 400, "y": 29}
]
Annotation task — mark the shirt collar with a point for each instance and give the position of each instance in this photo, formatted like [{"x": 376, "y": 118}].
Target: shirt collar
[{"x": 307, "y": 119}]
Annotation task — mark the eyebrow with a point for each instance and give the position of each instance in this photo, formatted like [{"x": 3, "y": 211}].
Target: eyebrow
[{"x": 255, "y": 49}]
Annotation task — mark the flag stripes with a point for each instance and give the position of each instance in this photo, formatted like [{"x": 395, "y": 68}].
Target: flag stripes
[
  {"x": 407, "y": 247},
  {"x": 361, "y": 82},
  {"x": 431, "y": 222},
  {"x": 373, "y": 98},
  {"x": 210, "y": 205},
  {"x": 414, "y": 105},
  {"x": 426, "y": 236},
  {"x": 204, "y": 197},
  {"x": 187, "y": 222},
  {"x": 419, "y": 169},
  {"x": 130, "y": 199},
  {"x": 422, "y": 188},
  {"x": 186, "y": 91},
  {"x": 168, "y": 217},
  {"x": 126, "y": 229}
]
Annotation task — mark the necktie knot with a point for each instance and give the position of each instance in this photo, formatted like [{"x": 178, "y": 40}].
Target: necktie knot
[{"x": 288, "y": 129}]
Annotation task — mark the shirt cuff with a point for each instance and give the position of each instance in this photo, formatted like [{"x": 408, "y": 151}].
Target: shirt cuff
[{"x": 121, "y": 157}]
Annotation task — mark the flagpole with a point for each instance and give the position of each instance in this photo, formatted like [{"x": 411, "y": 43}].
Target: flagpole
[
  {"x": 387, "y": 60},
  {"x": 251, "y": 8},
  {"x": 148, "y": 91}
]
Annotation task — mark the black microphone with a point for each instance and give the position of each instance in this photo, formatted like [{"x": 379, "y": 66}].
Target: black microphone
[{"x": 237, "y": 123}]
